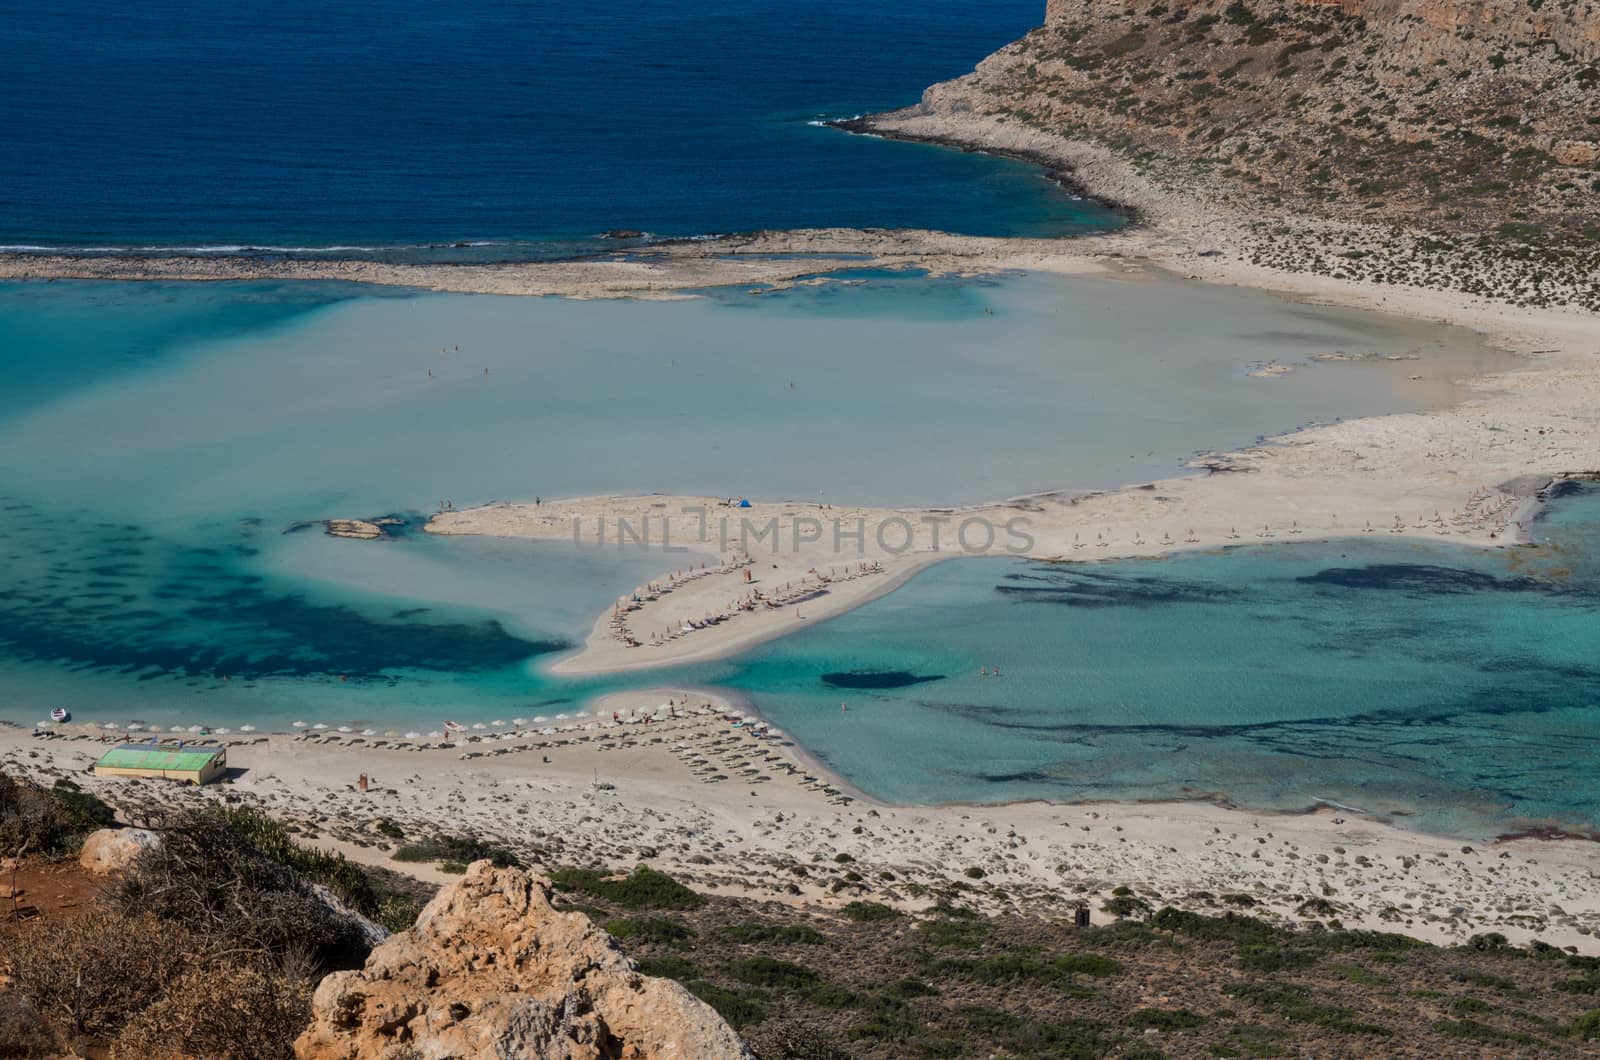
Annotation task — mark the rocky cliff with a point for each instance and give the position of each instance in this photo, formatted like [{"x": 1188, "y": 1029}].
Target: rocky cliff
[
  {"x": 492, "y": 970},
  {"x": 1461, "y": 117}
]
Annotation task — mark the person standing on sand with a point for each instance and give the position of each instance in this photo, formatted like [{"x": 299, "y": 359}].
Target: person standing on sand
[{"x": 362, "y": 783}]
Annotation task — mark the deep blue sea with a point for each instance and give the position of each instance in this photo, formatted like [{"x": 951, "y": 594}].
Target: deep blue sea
[{"x": 177, "y": 123}]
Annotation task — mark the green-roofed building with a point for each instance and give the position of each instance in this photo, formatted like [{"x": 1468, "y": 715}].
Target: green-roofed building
[{"x": 191, "y": 765}]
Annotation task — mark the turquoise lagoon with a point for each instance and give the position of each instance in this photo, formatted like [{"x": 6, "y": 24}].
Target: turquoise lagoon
[
  {"x": 1454, "y": 690},
  {"x": 165, "y": 452}
]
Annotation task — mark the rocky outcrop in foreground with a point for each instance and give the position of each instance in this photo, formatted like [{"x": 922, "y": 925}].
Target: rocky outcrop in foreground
[
  {"x": 115, "y": 850},
  {"x": 492, "y": 970}
]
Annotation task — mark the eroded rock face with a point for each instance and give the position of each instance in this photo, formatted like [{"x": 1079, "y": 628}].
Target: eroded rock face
[
  {"x": 491, "y": 970},
  {"x": 112, "y": 850}
]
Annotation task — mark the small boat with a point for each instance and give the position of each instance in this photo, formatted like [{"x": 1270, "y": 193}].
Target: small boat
[{"x": 60, "y": 714}]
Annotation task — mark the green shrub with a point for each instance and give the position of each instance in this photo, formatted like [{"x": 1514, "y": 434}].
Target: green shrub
[
  {"x": 738, "y": 1007},
  {"x": 47, "y": 820},
  {"x": 644, "y": 888},
  {"x": 782, "y": 934},
  {"x": 668, "y": 966},
  {"x": 1023, "y": 967},
  {"x": 658, "y": 929},
  {"x": 464, "y": 849},
  {"x": 1296, "y": 1004},
  {"x": 1587, "y": 1026},
  {"x": 396, "y": 912},
  {"x": 771, "y": 972},
  {"x": 272, "y": 839},
  {"x": 1122, "y": 906},
  {"x": 1165, "y": 1019},
  {"x": 388, "y": 829},
  {"x": 868, "y": 912},
  {"x": 957, "y": 933}
]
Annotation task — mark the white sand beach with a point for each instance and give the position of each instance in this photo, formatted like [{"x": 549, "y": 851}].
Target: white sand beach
[{"x": 774, "y": 827}]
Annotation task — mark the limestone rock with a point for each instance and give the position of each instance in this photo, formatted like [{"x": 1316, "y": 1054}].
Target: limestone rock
[
  {"x": 1576, "y": 152},
  {"x": 112, "y": 850},
  {"x": 492, "y": 970}
]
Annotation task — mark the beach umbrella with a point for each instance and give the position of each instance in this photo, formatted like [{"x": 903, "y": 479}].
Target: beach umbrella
[
  {"x": 413, "y": 735},
  {"x": 540, "y": 718},
  {"x": 435, "y": 734},
  {"x": 519, "y": 721},
  {"x": 561, "y": 717},
  {"x": 110, "y": 725},
  {"x": 223, "y": 732},
  {"x": 369, "y": 732},
  {"x": 392, "y": 732},
  {"x": 247, "y": 728},
  {"x": 194, "y": 728},
  {"x": 345, "y": 728},
  {"x": 134, "y": 726},
  {"x": 497, "y": 724},
  {"x": 581, "y": 714},
  {"x": 298, "y": 725},
  {"x": 478, "y": 725}
]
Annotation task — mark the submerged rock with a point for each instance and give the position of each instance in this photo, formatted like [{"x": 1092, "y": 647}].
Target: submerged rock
[{"x": 492, "y": 970}]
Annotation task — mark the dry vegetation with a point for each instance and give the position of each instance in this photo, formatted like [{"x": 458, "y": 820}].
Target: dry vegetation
[
  {"x": 211, "y": 947},
  {"x": 1459, "y": 150},
  {"x": 871, "y": 982}
]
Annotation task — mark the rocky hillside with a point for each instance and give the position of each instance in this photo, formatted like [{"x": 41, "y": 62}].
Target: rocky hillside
[{"x": 1456, "y": 116}]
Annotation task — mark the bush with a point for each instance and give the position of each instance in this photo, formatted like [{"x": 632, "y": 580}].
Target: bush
[
  {"x": 226, "y": 1013},
  {"x": 463, "y": 849},
  {"x": 959, "y": 933},
  {"x": 95, "y": 972},
  {"x": 670, "y": 966},
  {"x": 1022, "y": 967},
  {"x": 657, "y": 929},
  {"x": 644, "y": 888},
  {"x": 47, "y": 820},
  {"x": 868, "y": 912},
  {"x": 1165, "y": 1019},
  {"x": 1123, "y": 906},
  {"x": 396, "y": 912},
  {"x": 783, "y": 934},
  {"x": 208, "y": 875},
  {"x": 334, "y": 871},
  {"x": 1587, "y": 1026},
  {"x": 738, "y": 1007},
  {"x": 771, "y": 972}
]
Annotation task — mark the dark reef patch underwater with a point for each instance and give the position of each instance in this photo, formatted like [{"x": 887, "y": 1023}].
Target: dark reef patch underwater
[
  {"x": 878, "y": 679},
  {"x": 116, "y": 599}
]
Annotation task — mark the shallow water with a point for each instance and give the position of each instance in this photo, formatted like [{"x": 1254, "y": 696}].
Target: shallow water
[
  {"x": 163, "y": 448},
  {"x": 883, "y": 390},
  {"x": 1449, "y": 689}
]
